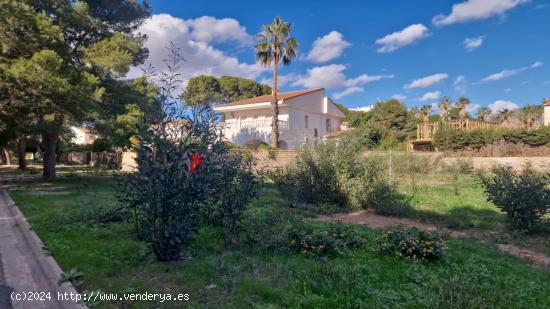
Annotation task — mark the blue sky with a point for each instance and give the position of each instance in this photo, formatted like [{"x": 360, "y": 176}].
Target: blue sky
[{"x": 496, "y": 52}]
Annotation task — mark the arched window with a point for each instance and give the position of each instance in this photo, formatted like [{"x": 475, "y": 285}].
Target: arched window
[
  {"x": 306, "y": 121},
  {"x": 328, "y": 125}
]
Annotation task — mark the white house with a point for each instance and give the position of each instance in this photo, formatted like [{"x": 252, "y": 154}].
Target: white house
[{"x": 304, "y": 116}]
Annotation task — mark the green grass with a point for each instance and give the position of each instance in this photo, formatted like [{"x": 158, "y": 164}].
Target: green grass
[
  {"x": 112, "y": 260},
  {"x": 457, "y": 204}
]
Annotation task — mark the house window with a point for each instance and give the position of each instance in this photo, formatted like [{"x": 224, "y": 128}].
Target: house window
[
  {"x": 315, "y": 133},
  {"x": 306, "y": 120},
  {"x": 328, "y": 124}
]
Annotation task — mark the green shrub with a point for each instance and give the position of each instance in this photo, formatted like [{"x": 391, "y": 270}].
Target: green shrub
[
  {"x": 312, "y": 177},
  {"x": 333, "y": 240},
  {"x": 336, "y": 174},
  {"x": 186, "y": 175},
  {"x": 449, "y": 139},
  {"x": 269, "y": 229},
  {"x": 524, "y": 196},
  {"x": 413, "y": 243},
  {"x": 384, "y": 199}
]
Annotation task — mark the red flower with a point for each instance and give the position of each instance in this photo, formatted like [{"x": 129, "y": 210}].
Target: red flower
[{"x": 196, "y": 160}]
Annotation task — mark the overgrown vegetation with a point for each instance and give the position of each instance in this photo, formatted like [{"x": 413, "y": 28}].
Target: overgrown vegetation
[
  {"x": 413, "y": 243},
  {"x": 333, "y": 240},
  {"x": 112, "y": 260},
  {"x": 186, "y": 175},
  {"x": 449, "y": 139},
  {"x": 337, "y": 174},
  {"x": 524, "y": 196}
]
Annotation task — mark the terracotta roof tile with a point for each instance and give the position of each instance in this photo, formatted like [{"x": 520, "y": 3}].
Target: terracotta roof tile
[
  {"x": 269, "y": 97},
  {"x": 547, "y": 102}
]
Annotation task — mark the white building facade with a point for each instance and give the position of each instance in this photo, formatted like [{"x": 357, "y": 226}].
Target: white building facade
[{"x": 304, "y": 116}]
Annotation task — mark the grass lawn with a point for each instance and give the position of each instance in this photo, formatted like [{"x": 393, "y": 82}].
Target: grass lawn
[
  {"x": 112, "y": 260},
  {"x": 457, "y": 204}
]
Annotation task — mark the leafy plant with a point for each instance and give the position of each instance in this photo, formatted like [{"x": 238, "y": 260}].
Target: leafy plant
[
  {"x": 412, "y": 243},
  {"x": 73, "y": 276},
  {"x": 186, "y": 175},
  {"x": 524, "y": 196},
  {"x": 269, "y": 229},
  {"x": 337, "y": 174},
  {"x": 325, "y": 241}
]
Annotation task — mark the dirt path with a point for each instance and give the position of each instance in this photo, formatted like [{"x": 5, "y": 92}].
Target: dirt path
[
  {"x": 383, "y": 222},
  {"x": 24, "y": 267}
]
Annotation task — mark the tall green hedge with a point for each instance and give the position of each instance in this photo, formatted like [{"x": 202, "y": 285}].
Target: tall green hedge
[{"x": 449, "y": 139}]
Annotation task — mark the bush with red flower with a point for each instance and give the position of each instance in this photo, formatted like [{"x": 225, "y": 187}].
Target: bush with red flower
[{"x": 186, "y": 175}]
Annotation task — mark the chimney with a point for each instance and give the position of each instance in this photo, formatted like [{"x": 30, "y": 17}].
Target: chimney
[{"x": 546, "y": 119}]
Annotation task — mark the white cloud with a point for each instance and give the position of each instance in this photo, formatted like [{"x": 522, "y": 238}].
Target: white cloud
[
  {"x": 507, "y": 90},
  {"x": 501, "y": 75},
  {"x": 475, "y": 10},
  {"x": 332, "y": 76},
  {"x": 348, "y": 91},
  {"x": 508, "y": 73},
  {"x": 427, "y": 81},
  {"x": 209, "y": 29},
  {"x": 363, "y": 108},
  {"x": 433, "y": 95},
  {"x": 536, "y": 65},
  {"x": 196, "y": 38},
  {"x": 399, "y": 97},
  {"x": 398, "y": 39},
  {"x": 472, "y": 108},
  {"x": 460, "y": 84},
  {"x": 500, "y": 105},
  {"x": 471, "y": 44},
  {"x": 328, "y": 47}
]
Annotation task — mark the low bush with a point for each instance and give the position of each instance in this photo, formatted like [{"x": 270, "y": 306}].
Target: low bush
[
  {"x": 269, "y": 228},
  {"x": 336, "y": 174},
  {"x": 312, "y": 177},
  {"x": 524, "y": 196},
  {"x": 413, "y": 243},
  {"x": 323, "y": 241}
]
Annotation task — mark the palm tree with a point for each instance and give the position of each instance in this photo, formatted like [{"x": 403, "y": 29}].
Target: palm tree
[
  {"x": 462, "y": 107},
  {"x": 415, "y": 112},
  {"x": 505, "y": 115},
  {"x": 274, "y": 45},
  {"x": 426, "y": 109},
  {"x": 444, "y": 105},
  {"x": 483, "y": 112}
]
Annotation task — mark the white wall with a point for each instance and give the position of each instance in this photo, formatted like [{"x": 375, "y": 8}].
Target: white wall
[
  {"x": 241, "y": 136},
  {"x": 546, "y": 115}
]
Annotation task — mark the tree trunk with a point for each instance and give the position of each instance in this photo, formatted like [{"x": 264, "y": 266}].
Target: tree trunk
[
  {"x": 21, "y": 146},
  {"x": 49, "y": 141},
  {"x": 275, "y": 109},
  {"x": 6, "y": 156}
]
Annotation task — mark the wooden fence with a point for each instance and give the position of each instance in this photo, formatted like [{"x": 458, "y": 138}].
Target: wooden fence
[{"x": 426, "y": 131}]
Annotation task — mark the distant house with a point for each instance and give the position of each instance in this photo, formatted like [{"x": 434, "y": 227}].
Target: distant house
[
  {"x": 546, "y": 118},
  {"x": 83, "y": 135},
  {"x": 304, "y": 116}
]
